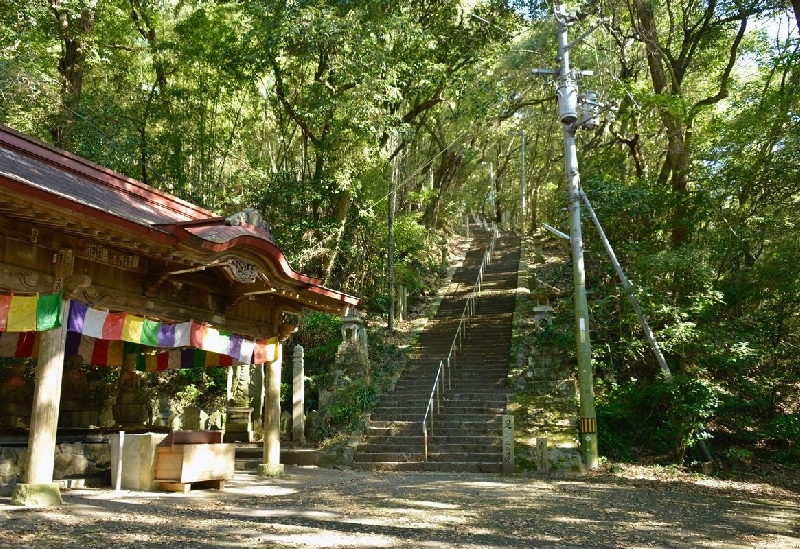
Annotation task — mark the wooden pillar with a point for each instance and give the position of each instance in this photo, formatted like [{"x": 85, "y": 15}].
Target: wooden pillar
[
  {"x": 271, "y": 463},
  {"x": 40, "y": 490}
]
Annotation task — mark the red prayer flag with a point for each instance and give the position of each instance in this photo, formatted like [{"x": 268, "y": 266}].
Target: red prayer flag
[{"x": 5, "y": 304}]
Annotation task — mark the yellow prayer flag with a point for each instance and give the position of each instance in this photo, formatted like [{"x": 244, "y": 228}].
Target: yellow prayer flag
[
  {"x": 272, "y": 349},
  {"x": 132, "y": 329},
  {"x": 22, "y": 314}
]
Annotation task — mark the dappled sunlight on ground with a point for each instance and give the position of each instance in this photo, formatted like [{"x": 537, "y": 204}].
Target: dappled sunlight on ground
[{"x": 312, "y": 507}]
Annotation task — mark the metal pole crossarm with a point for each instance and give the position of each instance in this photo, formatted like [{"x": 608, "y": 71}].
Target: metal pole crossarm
[
  {"x": 584, "y": 35},
  {"x": 555, "y": 231}
]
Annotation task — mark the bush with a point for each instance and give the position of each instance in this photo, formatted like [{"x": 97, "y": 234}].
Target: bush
[
  {"x": 348, "y": 405},
  {"x": 320, "y": 335},
  {"x": 660, "y": 419}
]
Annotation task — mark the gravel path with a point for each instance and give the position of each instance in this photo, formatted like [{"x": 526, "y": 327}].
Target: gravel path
[{"x": 312, "y": 507}]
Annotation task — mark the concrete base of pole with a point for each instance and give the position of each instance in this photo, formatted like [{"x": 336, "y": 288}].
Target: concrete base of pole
[
  {"x": 37, "y": 495},
  {"x": 270, "y": 470}
]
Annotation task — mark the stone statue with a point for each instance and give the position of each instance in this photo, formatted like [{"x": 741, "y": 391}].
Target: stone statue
[
  {"x": 14, "y": 388},
  {"x": 77, "y": 409},
  {"x": 74, "y": 386},
  {"x": 129, "y": 383},
  {"x": 131, "y": 406},
  {"x": 16, "y": 397}
]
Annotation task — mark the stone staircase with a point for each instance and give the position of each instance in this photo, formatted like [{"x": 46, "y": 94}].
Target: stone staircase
[{"x": 466, "y": 432}]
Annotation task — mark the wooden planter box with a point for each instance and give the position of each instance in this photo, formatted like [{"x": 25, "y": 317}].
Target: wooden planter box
[{"x": 185, "y": 458}]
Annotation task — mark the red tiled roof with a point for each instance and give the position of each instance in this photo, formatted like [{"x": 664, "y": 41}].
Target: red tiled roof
[{"x": 65, "y": 175}]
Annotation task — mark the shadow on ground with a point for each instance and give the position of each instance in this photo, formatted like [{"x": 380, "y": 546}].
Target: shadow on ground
[{"x": 312, "y": 507}]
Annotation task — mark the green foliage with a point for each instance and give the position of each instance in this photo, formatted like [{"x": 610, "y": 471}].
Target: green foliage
[
  {"x": 320, "y": 335},
  {"x": 348, "y": 404},
  {"x": 197, "y": 386},
  {"x": 659, "y": 419},
  {"x": 188, "y": 396},
  {"x": 291, "y": 108}
]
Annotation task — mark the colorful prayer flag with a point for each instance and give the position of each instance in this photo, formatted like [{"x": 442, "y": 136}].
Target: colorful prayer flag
[
  {"x": 5, "y": 304},
  {"x": 22, "y": 314},
  {"x": 19, "y": 344},
  {"x": 48, "y": 312},
  {"x": 134, "y": 329}
]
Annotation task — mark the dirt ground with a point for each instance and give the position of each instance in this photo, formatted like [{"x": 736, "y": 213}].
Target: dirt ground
[{"x": 342, "y": 508}]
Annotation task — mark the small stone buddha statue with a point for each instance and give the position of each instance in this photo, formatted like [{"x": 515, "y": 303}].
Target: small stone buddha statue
[
  {"x": 74, "y": 385},
  {"x": 77, "y": 409},
  {"x": 15, "y": 397},
  {"x": 131, "y": 404}
]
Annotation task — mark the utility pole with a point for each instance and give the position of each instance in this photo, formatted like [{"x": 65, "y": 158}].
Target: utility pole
[
  {"x": 492, "y": 195},
  {"x": 575, "y": 112},
  {"x": 392, "y": 189},
  {"x": 522, "y": 185}
]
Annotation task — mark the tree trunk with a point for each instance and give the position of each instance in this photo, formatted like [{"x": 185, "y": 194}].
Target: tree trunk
[
  {"x": 72, "y": 32},
  {"x": 342, "y": 209}
]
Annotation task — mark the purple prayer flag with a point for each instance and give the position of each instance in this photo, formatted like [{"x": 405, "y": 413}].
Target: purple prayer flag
[
  {"x": 77, "y": 313},
  {"x": 166, "y": 335},
  {"x": 73, "y": 341},
  {"x": 234, "y": 346},
  {"x": 187, "y": 358}
]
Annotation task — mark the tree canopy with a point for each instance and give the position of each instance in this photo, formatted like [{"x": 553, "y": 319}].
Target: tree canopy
[{"x": 304, "y": 108}]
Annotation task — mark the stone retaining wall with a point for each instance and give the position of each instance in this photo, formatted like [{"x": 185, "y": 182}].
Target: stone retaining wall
[{"x": 72, "y": 460}]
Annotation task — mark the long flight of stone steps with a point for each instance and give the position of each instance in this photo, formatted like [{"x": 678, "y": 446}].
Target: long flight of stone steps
[{"x": 466, "y": 433}]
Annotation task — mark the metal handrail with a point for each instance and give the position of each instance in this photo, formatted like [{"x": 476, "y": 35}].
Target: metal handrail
[{"x": 470, "y": 309}]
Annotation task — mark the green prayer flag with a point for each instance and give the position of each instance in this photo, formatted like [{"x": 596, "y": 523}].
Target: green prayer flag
[
  {"x": 198, "y": 358},
  {"x": 150, "y": 333},
  {"x": 48, "y": 312},
  {"x": 141, "y": 364}
]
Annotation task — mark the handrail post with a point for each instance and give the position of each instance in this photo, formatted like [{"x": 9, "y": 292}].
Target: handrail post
[
  {"x": 425, "y": 436},
  {"x": 449, "y": 377},
  {"x": 438, "y": 402}
]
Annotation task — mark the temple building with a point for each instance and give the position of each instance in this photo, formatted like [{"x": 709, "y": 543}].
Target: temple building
[{"x": 99, "y": 269}]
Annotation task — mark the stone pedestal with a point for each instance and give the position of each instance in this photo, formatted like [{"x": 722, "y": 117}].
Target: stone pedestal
[
  {"x": 238, "y": 424},
  {"x": 76, "y": 417},
  {"x": 15, "y": 415},
  {"x": 138, "y": 460},
  {"x": 37, "y": 495}
]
